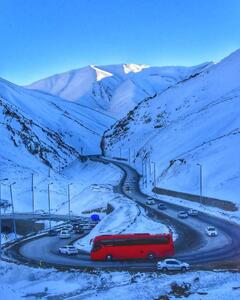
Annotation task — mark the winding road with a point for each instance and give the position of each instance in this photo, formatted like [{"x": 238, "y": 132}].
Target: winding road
[{"x": 192, "y": 244}]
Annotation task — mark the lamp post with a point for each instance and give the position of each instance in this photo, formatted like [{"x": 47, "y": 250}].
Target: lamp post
[
  {"x": 13, "y": 210},
  {"x": 69, "y": 203},
  {"x": 49, "y": 206},
  {"x": 33, "y": 203},
  {"x": 154, "y": 174},
  {"x": 1, "y": 205},
  {"x": 200, "y": 181}
]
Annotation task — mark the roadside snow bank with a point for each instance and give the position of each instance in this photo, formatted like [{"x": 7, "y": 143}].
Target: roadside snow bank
[
  {"x": 21, "y": 282},
  {"x": 127, "y": 217}
]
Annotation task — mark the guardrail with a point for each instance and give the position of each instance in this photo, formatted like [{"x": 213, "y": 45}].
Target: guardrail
[{"x": 214, "y": 202}]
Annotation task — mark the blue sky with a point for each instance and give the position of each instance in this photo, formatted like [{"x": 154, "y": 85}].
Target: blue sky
[{"x": 43, "y": 37}]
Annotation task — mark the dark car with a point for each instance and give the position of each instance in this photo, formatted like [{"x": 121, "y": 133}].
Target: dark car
[
  {"x": 52, "y": 232},
  {"x": 162, "y": 206},
  {"x": 75, "y": 225},
  {"x": 79, "y": 230}
]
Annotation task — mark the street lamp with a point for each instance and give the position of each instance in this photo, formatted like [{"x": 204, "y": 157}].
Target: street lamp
[
  {"x": 49, "y": 206},
  {"x": 33, "y": 200},
  {"x": 2, "y": 204},
  {"x": 200, "y": 181},
  {"x": 13, "y": 210},
  {"x": 69, "y": 204},
  {"x": 154, "y": 174}
]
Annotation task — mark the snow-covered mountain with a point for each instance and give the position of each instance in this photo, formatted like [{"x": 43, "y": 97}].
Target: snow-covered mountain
[
  {"x": 39, "y": 129},
  {"x": 195, "y": 121},
  {"x": 114, "y": 88}
]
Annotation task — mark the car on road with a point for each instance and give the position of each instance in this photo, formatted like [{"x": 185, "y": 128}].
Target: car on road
[
  {"x": 192, "y": 212},
  {"x": 79, "y": 230},
  {"x": 68, "y": 227},
  {"x": 44, "y": 214},
  {"x": 52, "y": 232},
  {"x": 150, "y": 201},
  {"x": 75, "y": 225},
  {"x": 88, "y": 226},
  {"x": 211, "y": 231},
  {"x": 69, "y": 250},
  {"x": 183, "y": 214},
  {"x": 172, "y": 265},
  {"x": 162, "y": 206},
  {"x": 64, "y": 234}
]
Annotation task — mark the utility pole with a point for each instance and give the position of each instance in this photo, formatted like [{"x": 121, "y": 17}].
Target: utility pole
[
  {"x": 200, "y": 181},
  {"x": 146, "y": 173},
  {"x": 120, "y": 152},
  {"x": 143, "y": 172},
  {"x": 150, "y": 167},
  {"x": 33, "y": 204},
  {"x": 1, "y": 204},
  {"x": 13, "y": 210},
  {"x": 69, "y": 202},
  {"x": 49, "y": 206},
  {"x": 154, "y": 174},
  {"x": 49, "y": 172}
]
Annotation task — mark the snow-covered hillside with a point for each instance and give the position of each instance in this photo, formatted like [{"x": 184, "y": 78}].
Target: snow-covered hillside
[
  {"x": 195, "y": 121},
  {"x": 41, "y": 128},
  {"x": 114, "y": 88}
]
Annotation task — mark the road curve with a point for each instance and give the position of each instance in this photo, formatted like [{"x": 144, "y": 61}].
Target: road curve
[{"x": 192, "y": 244}]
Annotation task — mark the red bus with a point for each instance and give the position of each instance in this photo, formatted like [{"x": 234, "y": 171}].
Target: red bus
[{"x": 132, "y": 246}]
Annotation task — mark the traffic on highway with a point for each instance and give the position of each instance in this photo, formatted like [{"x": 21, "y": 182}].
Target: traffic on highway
[{"x": 202, "y": 240}]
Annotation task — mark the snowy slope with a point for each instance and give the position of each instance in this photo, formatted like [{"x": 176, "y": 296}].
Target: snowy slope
[
  {"x": 35, "y": 125},
  {"x": 195, "y": 121},
  {"x": 38, "y": 131},
  {"x": 114, "y": 88}
]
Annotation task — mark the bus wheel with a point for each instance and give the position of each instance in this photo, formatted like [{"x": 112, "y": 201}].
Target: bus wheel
[
  {"x": 109, "y": 257},
  {"x": 151, "y": 256}
]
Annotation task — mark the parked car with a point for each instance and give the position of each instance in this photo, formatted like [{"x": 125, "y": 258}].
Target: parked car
[
  {"x": 64, "y": 234},
  {"x": 162, "y": 206},
  {"x": 192, "y": 212},
  {"x": 211, "y": 231},
  {"x": 150, "y": 201},
  {"x": 69, "y": 250},
  {"x": 52, "y": 232},
  {"x": 183, "y": 214},
  {"x": 172, "y": 265}
]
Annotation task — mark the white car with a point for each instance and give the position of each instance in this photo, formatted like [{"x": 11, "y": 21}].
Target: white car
[
  {"x": 69, "y": 250},
  {"x": 183, "y": 214},
  {"x": 192, "y": 212},
  {"x": 172, "y": 265},
  {"x": 150, "y": 201},
  {"x": 68, "y": 227},
  {"x": 211, "y": 231},
  {"x": 64, "y": 234}
]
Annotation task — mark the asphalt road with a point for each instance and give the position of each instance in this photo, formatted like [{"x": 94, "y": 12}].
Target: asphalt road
[{"x": 192, "y": 244}]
